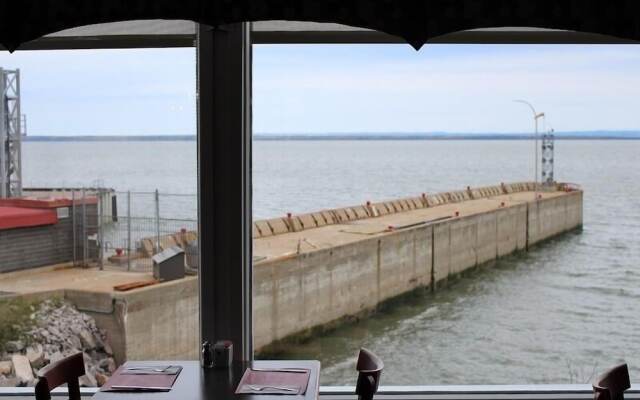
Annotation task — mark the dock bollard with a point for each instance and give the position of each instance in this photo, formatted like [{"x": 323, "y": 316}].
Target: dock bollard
[
  {"x": 290, "y": 225},
  {"x": 373, "y": 212}
]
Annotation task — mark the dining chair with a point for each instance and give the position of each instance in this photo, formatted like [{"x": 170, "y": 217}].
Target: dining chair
[
  {"x": 612, "y": 384},
  {"x": 67, "y": 370},
  {"x": 369, "y": 368}
]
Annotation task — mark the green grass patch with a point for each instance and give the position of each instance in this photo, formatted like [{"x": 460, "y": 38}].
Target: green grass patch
[{"x": 15, "y": 319}]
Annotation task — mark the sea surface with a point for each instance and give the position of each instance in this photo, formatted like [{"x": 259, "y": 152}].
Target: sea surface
[{"x": 560, "y": 313}]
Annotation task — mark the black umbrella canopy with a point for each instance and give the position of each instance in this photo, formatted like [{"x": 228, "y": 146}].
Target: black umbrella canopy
[{"x": 416, "y": 21}]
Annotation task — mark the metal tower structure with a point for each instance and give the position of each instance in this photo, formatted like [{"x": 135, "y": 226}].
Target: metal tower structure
[
  {"x": 10, "y": 134},
  {"x": 547, "y": 158},
  {"x": 23, "y": 125}
]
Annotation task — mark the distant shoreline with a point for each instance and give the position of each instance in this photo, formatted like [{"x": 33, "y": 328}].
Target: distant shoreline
[{"x": 596, "y": 135}]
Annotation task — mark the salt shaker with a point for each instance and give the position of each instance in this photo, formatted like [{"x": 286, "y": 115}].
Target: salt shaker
[{"x": 222, "y": 354}]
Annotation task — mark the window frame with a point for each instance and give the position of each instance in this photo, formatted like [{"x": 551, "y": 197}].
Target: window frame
[{"x": 239, "y": 156}]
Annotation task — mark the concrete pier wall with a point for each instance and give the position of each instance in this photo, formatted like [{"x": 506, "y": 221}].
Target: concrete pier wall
[
  {"x": 313, "y": 289},
  {"x": 550, "y": 217},
  {"x": 307, "y": 291},
  {"x": 158, "y": 322}
]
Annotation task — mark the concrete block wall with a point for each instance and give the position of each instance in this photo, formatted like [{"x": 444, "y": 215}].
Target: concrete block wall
[
  {"x": 296, "y": 294},
  {"x": 512, "y": 229},
  {"x": 487, "y": 240},
  {"x": 161, "y": 321},
  {"x": 158, "y": 322},
  {"x": 299, "y": 293},
  {"x": 31, "y": 247},
  {"x": 22, "y": 248},
  {"x": 463, "y": 234},
  {"x": 441, "y": 237},
  {"x": 553, "y": 216}
]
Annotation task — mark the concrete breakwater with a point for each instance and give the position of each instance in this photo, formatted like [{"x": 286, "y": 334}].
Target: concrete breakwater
[
  {"x": 313, "y": 270},
  {"x": 306, "y": 278}
]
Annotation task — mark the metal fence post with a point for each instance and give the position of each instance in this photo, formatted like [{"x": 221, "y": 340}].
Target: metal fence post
[
  {"x": 129, "y": 230},
  {"x": 73, "y": 223},
  {"x": 157, "y": 222},
  {"x": 101, "y": 243},
  {"x": 85, "y": 243}
]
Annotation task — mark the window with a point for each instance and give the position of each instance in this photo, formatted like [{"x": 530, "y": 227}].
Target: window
[
  {"x": 350, "y": 144},
  {"x": 282, "y": 166},
  {"x": 109, "y": 185}
]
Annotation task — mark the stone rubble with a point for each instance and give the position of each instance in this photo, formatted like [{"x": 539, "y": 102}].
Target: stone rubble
[
  {"x": 22, "y": 369},
  {"x": 60, "y": 331},
  {"x": 5, "y": 367},
  {"x": 35, "y": 354},
  {"x": 14, "y": 346}
]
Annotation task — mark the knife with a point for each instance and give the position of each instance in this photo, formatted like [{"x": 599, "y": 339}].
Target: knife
[
  {"x": 296, "y": 370},
  {"x": 141, "y": 388}
]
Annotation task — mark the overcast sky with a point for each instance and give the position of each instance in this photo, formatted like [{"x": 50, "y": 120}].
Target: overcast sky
[{"x": 339, "y": 88}]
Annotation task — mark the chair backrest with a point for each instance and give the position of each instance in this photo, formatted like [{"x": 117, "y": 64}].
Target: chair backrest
[
  {"x": 67, "y": 370},
  {"x": 369, "y": 368},
  {"x": 612, "y": 384}
]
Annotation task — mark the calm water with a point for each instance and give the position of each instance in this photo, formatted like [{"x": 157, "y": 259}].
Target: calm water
[{"x": 558, "y": 314}]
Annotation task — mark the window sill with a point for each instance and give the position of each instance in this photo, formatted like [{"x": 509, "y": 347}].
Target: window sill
[
  {"x": 448, "y": 392},
  {"x": 474, "y": 392}
]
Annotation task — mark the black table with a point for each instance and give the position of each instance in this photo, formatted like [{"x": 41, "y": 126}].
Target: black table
[{"x": 197, "y": 383}]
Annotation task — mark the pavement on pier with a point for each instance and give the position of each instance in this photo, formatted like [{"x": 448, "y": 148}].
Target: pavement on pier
[
  {"x": 288, "y": 244},
  {"x": 64, "y": 277},
  {"x": 48, "y": 279}
]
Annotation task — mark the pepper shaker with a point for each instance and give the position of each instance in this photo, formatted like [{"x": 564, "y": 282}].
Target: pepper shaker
[{"x": 207, "y": 354}]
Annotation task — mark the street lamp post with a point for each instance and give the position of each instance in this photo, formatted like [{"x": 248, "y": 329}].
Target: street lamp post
[{"x": 535, "y": 119}]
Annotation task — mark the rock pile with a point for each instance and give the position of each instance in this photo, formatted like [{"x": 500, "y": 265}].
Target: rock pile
[{"x": 59, "y": 331}]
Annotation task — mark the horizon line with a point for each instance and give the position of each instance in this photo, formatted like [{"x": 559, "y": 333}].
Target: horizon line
[{"x": 353, "y": 133}]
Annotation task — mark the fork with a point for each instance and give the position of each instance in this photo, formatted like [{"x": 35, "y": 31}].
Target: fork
[
  {"x": 266, "y": 387},
  {"x": 153, "y": 369}
]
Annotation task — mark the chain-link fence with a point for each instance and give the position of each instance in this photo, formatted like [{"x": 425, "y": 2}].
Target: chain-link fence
[{"x": 126, "y": 229}]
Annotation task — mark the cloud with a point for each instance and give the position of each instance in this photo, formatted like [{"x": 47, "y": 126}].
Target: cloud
[
  {"x": 338, "y": 88},
  {"x": 450, "y": 88}
]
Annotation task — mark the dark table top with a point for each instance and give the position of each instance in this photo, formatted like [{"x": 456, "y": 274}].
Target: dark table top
[{"x": 197, "y": 383}]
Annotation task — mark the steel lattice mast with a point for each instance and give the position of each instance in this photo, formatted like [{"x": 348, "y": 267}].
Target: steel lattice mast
[
  {"x": 547, "y": 158},
  {"x": 10, "y": 134}
]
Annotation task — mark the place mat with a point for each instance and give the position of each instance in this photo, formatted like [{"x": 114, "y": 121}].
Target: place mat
[
  {"x": 268, "y": 378},
  {"x": 125, "y": 381}
]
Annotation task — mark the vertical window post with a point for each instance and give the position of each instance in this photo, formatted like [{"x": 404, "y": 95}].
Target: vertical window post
[{"x": 224, "y": 185}]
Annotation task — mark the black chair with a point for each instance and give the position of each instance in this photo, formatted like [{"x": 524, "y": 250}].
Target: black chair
[
  {"x": 612, "y": 384},
  {"x": 369, "y": 370},
  {"x": 67, "y": 370}
]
